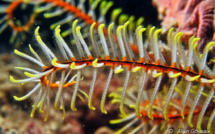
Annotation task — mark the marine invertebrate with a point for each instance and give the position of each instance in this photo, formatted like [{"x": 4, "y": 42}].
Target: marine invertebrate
[
  {"x": 144, "y": 124},
  {"x": 8, "y": 19},
  {"x": 192, "y": 70},
  {"x": 69, "y": 10},
  {"x": 88, "y": 17},
  {"x": 81, "y": 12}
]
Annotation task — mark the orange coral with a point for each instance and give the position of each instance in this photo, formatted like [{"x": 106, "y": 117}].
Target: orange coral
[{"x": 192, "y": 17}]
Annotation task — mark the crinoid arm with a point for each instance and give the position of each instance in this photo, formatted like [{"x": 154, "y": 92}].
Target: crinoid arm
[
  {"x": 161, "y": 122},
  {"x": 19, "y": 27},
  {"x": 155, "y": 76}
]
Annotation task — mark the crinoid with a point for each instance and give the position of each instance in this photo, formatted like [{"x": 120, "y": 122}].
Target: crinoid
[
  {"x": 161, "y": 109},
  {"x": 161, "y": 123},
  {"x": 65, "y": 12},
  {"x": 47, "y": 79},
  {"x": 118, "y": 58},
  {"x": 86, "y": 14},
  {"x": 9, "y": 20}
]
